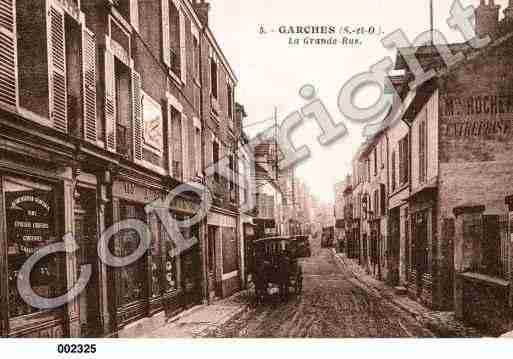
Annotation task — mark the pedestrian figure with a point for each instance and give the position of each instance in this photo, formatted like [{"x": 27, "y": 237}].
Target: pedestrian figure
[
  {"x": 262, "y": 270},
  {"x": 283, "y": 274}
]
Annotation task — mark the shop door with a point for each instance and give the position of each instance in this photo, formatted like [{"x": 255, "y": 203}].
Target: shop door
[
  {"x": 213, "y": 232},
  {"x": 394, "y": 248},
  {"x": 85, "y": 235},
  {"x": 421, "y": 249}
]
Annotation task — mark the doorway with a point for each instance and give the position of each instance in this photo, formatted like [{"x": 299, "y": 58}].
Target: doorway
[
  {"x": 394, "y": 247},
  {"x": 421, "y": 248},
  {"x": 212, "y": 235},
  {"x": 86, "y": 238}
]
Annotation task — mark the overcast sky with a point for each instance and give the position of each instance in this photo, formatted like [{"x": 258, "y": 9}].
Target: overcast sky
[{"x": 271, "y": 72}]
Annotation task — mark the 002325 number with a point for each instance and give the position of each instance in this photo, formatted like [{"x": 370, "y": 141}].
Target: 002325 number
[{"x": 76, "y": 348}]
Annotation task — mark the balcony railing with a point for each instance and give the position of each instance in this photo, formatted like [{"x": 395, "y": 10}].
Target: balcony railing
[{"x": 122, "y": 141}]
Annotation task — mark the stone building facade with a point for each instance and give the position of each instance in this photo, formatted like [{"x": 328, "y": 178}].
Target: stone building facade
[{"x": 109, "y": 106}]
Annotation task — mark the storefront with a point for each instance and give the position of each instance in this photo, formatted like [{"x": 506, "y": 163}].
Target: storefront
[
  {"x": 162, "y": 282},
  {"x": 223, "y": 257}
]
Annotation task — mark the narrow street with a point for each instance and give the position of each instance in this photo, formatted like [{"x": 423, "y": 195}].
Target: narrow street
[{"x": 332, "y": 305}]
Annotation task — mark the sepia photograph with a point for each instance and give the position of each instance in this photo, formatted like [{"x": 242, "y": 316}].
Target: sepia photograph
[{"x": 215, "y": 170}]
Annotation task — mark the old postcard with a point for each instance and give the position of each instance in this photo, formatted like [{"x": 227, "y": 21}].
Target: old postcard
[{"x": 255, "y": 169}]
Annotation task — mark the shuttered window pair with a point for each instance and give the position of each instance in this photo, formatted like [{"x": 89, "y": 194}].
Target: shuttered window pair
[
  {"x": 49, "y": 25},
  {"x": 173, "y": 38},
  {"x": 111, "y": 108}
]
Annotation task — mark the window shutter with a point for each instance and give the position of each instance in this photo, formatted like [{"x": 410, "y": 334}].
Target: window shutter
[
  {"x": 58, "y": 93},
  {"x": 110, "y": 102},
  {"x": 183, "y": 47},
  {"x": 166, "y": 51},
  {"x": 185, "y": 148},
  {"x": 8, "y": 77},
  {"x": 137, "y": 116},
  {"x": 89, "y": 81}
]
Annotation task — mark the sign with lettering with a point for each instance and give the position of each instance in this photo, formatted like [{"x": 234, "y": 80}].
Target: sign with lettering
[
  {"x": 133, "y": 192},
  {"x": 484, "y": 116},
  {"x": 28, "y": 221}
]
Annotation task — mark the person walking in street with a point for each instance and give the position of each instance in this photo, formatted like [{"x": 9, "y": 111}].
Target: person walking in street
[{"x": 283, "y": 274}]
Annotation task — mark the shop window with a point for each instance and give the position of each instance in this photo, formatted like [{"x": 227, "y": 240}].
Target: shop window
[
  {"x": 30, "y": 225},
  {"x": 156, "y": 257},
  {"x": 133, "y": 276}
]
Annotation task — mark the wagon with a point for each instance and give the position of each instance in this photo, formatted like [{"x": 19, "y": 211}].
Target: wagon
[{"x": 276, "y": 266}]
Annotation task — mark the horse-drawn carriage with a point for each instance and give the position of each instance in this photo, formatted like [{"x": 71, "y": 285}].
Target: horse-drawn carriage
[{"x": 276, "y": 267}]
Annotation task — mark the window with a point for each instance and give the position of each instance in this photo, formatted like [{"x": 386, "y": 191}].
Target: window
[
  {"x": 229, "y": 92},
  {"x": 197, "y": 150},
  {"x": 215, "y": 159},
  {"x": 404, "y": 160},
  {"x": 213, "y": 77},
  {"x": 123, "y": 113},
  {"x": 196, "y": 58},
  {"x": 30, "y": 225},
  {"x": 422, "y": 151},
  {"x": 212, "y": 230},
  {"x": 174, "y": 38},
  {"x": 393, "y": 172},
  {"x": 155, "y": 256},
  {"x": 133, "y": 276},
  {"x": 129, "y": 9},
  {"x": 177, "y": 163},
  {"x": 376, "y": 160}
]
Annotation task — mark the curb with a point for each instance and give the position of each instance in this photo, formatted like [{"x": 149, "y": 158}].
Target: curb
[{"x": 390, "y": 299}]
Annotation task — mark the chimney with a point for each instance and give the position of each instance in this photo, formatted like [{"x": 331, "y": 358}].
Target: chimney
[
  {"x": 508, "y": 12},
  {"x": 202, "y": 8},
  {"x": 487, "y": 18}
]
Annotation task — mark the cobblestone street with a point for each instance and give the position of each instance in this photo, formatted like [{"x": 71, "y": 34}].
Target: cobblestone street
[{"x": 334, "y": 304}]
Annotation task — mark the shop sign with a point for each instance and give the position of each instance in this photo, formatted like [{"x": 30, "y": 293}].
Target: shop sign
[
  {"x": 28, "y": 221},
  {"x": 133, "y": 192},
  {"x": 484, "y": 116}
]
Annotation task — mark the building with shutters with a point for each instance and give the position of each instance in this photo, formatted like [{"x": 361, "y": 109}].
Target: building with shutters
[
  {"x": 449, "y": 174},
  {"x": 106, "y": 106}
]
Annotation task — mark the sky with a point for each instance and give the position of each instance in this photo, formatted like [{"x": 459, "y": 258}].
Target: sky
[{"x": 270, "y": 71}]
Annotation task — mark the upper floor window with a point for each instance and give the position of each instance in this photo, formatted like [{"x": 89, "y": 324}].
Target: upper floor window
[
  {"x": 376, "y": 161},
  {"x": 123, "y": 113},
  {"x": 422, "y": 151},
  {"x": 404, "y": 160},
  {"x": 196, "y": 58},
  {"x": 213, "y": 77},
  {"x": 176, "y": 146},
  {"x": 129, "y": 9},
  {"x": 215, "y": 159},
  {"x": 229, "y": 92},
  {"x": 172, "y": 34},
  {"x": 393, "y": 179}
]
